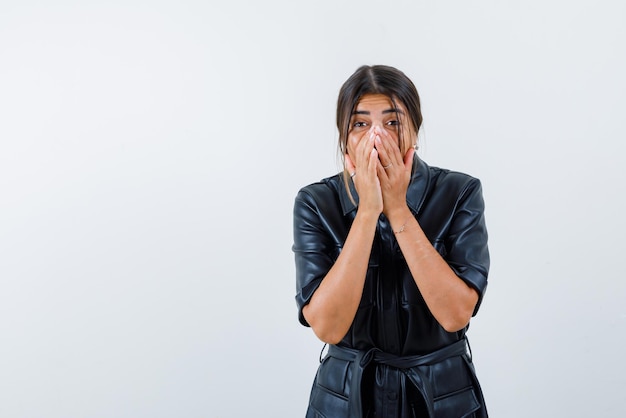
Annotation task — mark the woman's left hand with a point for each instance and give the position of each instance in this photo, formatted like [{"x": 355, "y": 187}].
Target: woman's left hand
[{"x": 394, "y": 171}]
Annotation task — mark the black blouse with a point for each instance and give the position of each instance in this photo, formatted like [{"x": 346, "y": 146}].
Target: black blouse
[{"x": 392, "y": 316}]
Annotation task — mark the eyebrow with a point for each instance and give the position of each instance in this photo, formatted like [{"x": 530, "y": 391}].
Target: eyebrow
[{"x": 367, "y": 112}]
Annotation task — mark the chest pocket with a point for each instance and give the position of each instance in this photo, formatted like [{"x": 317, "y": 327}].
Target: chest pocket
[
  {"x": 410, "y": 293},
  {"x": 371, "y": 280},
  {"x": 368, "y": 297}
]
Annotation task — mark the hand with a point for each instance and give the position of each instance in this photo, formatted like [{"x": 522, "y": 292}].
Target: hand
[
  {"x": 394, "y": 171},
  {"x": 363, "y": 171}
]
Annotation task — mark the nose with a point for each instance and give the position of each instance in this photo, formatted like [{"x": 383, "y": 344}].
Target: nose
[{"x": 377, "y": 128}]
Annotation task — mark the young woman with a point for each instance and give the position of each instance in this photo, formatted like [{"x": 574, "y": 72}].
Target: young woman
[{"x": 391, "y": 263}]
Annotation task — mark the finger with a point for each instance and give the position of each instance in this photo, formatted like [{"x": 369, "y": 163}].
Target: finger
[
  {"x": 364, "y": 139},
  {"x": 382, "y": 150},
  {"x": 350, "y": 168},
  {"x": 391, "y": 143},
  {"x": 376, "y": 134},
  {"x": 388, "y": 152},
  {"x": 394, "y": 143},
  {"x": 374, "y": 163},
  {"x": 408, "y": 159},
  {"x": 358, "y": 151},
  {"x": 384, "y": 162},
  {"x": 356, "y": 139},
  {"x": 382, "y": 172},
  {"x": 367, "y": 146}
]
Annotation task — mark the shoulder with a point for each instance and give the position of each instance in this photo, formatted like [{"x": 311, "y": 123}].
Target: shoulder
[
  {"x": 446, "y": 179},
  {"x": 320, "y": 205},
  {"x": 325, "y": 190}
]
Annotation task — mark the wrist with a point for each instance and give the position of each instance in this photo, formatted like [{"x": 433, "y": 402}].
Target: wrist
[
  {"x": 398, "y": 216},
  {"x": 402, "y": 220},
  {"x": 366, "y": 216}
]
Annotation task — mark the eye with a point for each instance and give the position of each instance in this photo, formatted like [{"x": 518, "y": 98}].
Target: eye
[
  {"x": 393, "y": 123},
  {"x": 359, "y": 124}
]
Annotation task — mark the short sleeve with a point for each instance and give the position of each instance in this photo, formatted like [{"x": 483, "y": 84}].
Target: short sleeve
[
  {"x": 313, "y": 248},
  {"x": 466, "y": 241}
]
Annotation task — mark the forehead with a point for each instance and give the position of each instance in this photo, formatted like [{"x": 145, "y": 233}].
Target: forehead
[{"x": 373, "y": 102}]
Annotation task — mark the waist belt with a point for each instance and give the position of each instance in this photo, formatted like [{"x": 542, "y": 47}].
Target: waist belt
[{"x": 408, "y": 364}]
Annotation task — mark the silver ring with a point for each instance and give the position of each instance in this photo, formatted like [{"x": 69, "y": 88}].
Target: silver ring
[
  {"x": 352, "y": 174},
  {"x": 387, "y": 166}
]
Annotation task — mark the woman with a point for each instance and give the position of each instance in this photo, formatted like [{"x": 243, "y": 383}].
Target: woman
[{"x": 391, "y": 263}]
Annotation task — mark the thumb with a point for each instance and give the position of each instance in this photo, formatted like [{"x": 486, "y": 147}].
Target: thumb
[
  {"x": 349, "y": 165},
  {"x": 408, "y": 159}
]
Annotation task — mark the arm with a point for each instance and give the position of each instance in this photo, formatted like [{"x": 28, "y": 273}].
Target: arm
[
  {"x": 335, "y": 302},
  {"x": 450, "y": 299},
  {"x": 333, "y": 305}
]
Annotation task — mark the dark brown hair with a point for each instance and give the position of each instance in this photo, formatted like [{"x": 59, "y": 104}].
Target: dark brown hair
[{"x": 376, "y": 79}]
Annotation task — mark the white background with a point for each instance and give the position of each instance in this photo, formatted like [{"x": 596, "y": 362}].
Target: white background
[{"x": 150, "y": 152}]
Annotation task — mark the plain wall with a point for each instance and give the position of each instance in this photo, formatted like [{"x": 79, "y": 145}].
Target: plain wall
[{"x": 150, "y": 153}]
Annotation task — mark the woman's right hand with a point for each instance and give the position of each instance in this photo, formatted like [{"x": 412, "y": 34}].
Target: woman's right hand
[{"x": 361, "y": 162}]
